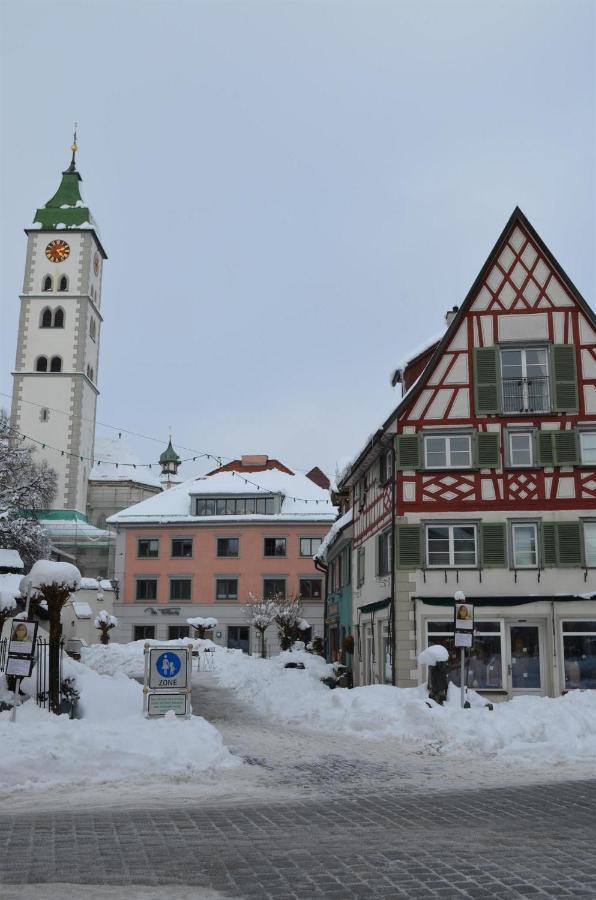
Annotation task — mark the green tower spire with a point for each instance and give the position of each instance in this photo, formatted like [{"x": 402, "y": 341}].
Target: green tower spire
[{"x": 66, "y": 209}]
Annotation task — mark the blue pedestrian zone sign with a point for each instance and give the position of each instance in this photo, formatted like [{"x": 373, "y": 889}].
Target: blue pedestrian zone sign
[
  {"x": 168, "y": 665},
  {"x": 169, "y": 668}
]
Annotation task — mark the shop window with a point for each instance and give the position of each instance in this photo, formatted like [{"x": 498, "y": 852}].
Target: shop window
[
  {"x": 148, "y": 548},
  {"x": 228, "y": 547},
  {"x": 310, "y": 588},
  {"x": 484, "y": 661},
  {"x": 143, "y": 632},
  {"x": 524, "y": 539},
  {"x": 451, "y": 546},
  {"x": 579, "y": 651},
  {"x": 175, "y": 632},
  {"x": 182, "y": 548}
]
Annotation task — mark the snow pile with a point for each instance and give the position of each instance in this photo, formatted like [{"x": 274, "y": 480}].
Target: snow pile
[
  {"x": 104, "y": 618},
  {"x": 539, "y": 729},
  {"x": 95, "y": 584},
  {"x": 45, "y": 571},
  {"x": 10, "y": 589},
  {"x": 112, "y": 742},
  {"x": 200, "y": 622},
  {"x": 129, "y": 659},
  {"x": 432, "y": 655}
]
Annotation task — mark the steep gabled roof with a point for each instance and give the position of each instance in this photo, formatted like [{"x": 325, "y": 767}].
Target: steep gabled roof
[{"x": 517, "y": 217}]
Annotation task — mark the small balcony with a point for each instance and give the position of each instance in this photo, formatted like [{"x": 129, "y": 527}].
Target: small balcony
[{"x": 526, "y": 395}]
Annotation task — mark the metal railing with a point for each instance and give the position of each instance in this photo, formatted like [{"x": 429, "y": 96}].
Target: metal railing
[{"x": 525, "y": 395}]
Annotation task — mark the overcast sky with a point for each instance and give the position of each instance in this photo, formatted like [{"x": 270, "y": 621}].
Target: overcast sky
[{"x": 291, "y": 194}]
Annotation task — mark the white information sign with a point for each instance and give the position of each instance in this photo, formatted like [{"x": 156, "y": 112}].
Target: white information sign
[
  {"x": 463, "y": 639},
  {"x": 169, "y": 668},
  {"x": 160, "y": 704},
  {"x": 20, "y": 666}
]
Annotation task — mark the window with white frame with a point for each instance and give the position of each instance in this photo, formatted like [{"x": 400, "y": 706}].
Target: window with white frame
[
  {"x": 384, "y": 553},
  {"x": 587, "y": 441},
  {"x": 524, "y": 540},
  {"x": 524, "y": 372},
  {"x": 521, "y": 448},
  {"x": 451, "y": 546},
  {"x": 590, "y": 543},
  {"x": 485, "y": 657},
  {"x": 579, "y": 652},
  {"x": 446, "y": 451}
]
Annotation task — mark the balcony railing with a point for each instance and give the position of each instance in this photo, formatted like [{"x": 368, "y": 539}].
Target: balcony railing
[{"x": 523, "y": 395}]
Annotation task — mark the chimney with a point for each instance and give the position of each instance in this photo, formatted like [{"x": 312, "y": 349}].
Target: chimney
[
  {"x": 450, "y": 315},
  {"x": 254, "y": 459}
]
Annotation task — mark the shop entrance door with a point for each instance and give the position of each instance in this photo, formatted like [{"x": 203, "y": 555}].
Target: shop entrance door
[
  {"x": 238, "y": 638},
  {"x": 525, "y": 658}
]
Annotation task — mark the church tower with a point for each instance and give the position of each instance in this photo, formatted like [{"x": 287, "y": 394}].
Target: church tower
[{"x": 55, "y": 378}]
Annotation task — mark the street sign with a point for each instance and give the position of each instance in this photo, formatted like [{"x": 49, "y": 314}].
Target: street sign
[
  {"x": 160, "y": 704},
  {"x": 169, "y": 668}
]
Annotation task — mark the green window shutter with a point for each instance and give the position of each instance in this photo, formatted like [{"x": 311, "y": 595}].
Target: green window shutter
[
  {"x": 408, "y": 451},
  {"x": 566, "y": 448},
  {"x": 494, "y": 544},
  {"x": 486, "y": 444},
  {"x": 409, "y": 547},
  {"x": 486, "y": 380},
  {"x": 569, "y": 540},
  {"x": 546, "y": 454},
  {"x": 549, "y": 544},
  {"x": 564, "y": 378}
]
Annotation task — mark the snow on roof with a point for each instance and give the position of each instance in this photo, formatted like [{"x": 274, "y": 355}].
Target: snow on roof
[
  {"x": 175, "y": 504},
  {"x": 332, "y": 534},
  {"x": 95, "y": 584},
  {"x": 82, "y": 610},
  {"x": 10, "y": 559},
  {"x": 10, "y": 589},
  {"x": 75, "y": 527},
  {"x": 110, "y": 451}
]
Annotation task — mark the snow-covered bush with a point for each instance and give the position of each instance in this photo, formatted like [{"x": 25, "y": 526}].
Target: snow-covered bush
[
  {"x": 260, "y": 613},
  {"x": 288, "y": 619},
  {"x": 104, "y": 623}
]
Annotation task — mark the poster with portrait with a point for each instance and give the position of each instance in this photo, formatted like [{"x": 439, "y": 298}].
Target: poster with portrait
[
  {"x": 464, "y": 616},
  {"x": 22, "y": 638}
]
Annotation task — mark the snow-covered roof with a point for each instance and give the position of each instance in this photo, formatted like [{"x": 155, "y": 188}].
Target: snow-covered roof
[
  {"x": 10, "y": 559},
  {"x": 174, "y": 505},
  {"x": 82, "y": 610},
  {"x": 108, "y": 452},
  {"x": 333, "y": 532}
]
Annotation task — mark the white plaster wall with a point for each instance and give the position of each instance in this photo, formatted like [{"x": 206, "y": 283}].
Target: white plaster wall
[
  {"x": 41, "y": 265},
  {"x": 50, "y": 341}
]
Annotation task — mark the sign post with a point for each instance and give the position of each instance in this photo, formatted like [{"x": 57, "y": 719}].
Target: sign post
[
  {"x": 167, "y": 684},
  {"x": 463, "y": 626},
  {"x": 19, "y": 661}
]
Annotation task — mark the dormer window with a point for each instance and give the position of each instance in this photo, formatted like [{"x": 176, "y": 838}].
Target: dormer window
[{"x": 235, "y": 506}]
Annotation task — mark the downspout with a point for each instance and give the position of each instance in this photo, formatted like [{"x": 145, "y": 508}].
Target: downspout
[
  {"x": 321, "y": 567},
  {"x": 392, "y": 614}
]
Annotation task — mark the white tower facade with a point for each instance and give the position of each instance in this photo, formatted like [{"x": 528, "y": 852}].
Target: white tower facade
[{"x": 57, "y": 361}]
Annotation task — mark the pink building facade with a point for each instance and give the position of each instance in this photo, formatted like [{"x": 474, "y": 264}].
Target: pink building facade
[{"x": 203, "y": 547}]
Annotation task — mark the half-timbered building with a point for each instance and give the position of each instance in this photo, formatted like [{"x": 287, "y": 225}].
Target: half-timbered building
[{"x": 484, "y": 480}]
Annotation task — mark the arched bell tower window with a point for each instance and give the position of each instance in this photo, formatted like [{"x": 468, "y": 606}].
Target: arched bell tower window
[
  {"x": 47, "y": 283},
  {"x": 92, "y": 329},
  {"x": 56, "y": 364},
  {"x": 59, "y": 318},
  {"x": 41, "y": 364},
  {"x": 46, "y": 318},
  {"x": 63, "y": 283}
]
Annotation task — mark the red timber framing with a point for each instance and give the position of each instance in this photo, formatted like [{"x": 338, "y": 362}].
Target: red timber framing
[{"x": 521, "y": 294}]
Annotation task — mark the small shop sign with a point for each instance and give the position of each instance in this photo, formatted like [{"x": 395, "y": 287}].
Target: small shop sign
[
  {"x": 20, "y": 656},
  {"x": 167, "y": 682}
]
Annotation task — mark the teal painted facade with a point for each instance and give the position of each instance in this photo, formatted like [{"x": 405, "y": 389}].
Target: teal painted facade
[{"x": 338, "y": 610}]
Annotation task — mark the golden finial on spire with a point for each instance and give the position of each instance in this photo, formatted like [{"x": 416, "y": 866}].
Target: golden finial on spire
[{"x": 74, "y": 148}]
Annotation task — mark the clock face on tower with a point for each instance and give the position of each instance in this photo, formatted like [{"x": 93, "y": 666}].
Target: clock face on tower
[
  {"x": 96, "y": 263},
  {"x": 57, "y": 251}
]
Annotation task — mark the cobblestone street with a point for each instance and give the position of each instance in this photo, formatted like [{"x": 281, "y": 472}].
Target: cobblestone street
[{"x": 362, "y": 821}]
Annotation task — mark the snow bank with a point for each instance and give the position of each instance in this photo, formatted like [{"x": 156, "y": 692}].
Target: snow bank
[
  {"x": 537, "y": 729},
  {"x": 129, "y": 659},
  {"x": 432, "y": 655},
  {"x": 112, "y": 742}
]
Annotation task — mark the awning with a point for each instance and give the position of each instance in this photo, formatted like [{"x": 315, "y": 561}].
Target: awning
[
  {"x": 374, "y": 607},
  {"x": 505, "y": 601}
]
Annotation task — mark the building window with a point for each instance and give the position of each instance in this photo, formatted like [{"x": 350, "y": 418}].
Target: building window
[
  {"x": 485, "y": 658},
  {"x": 524, "y": 539},
  {"x": 175, "y": 632},
  {"x": 228, "y": 546},
  {"x": 47, "y": 283},
  {"x": 44, "y": 414},
  {"x": 41, "y": 364},
  {"x": 385, "y": 467},
  {"x": 447, "y": 451},
  {"x": 180, "y": 588},
  {"x": 235, "y": 506},
  {"x": 92, "y": 328},
  {"x": 182, "y": 548},
  {"x": 56, "y": 364},
  {"x": 148, "y": 548},
  {"x": 226, "y": 589},
  {"x": 524, "y": 373},
  {"x": 59, "y": 318},
  {"x": 143, "y": 633},
  {"x": 521, "y": 448},
  {"x": 360, "y": 563},
  {"x": 384, "y": 553},
  {"x": 360, "y": 493},
  {"x": 579, "y": 651},
  {"x": 590, "y": 543},
  {"x": 146, "y": 589},
  {"x": 274, "y": 547},
  {"x": 310, "y": 588},
  {"x": 274, "y": 587},
  {"x": 451, "y": 545},
  {"x": 309, "y": 546},
  {"x": 587, "y": 441},
  {"x": 46, "y": 318},
  {"x": 63, "y": 283}
]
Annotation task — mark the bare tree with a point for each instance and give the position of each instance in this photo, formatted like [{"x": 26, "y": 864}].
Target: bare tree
[
  {"x": 287, "y": 619},
  {"x": 260, "y": 613}
]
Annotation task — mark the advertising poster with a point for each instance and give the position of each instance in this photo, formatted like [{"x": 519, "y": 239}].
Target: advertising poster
[
  {"x": 464, "y": 616},
  {"x": 22, "y": 638}
]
